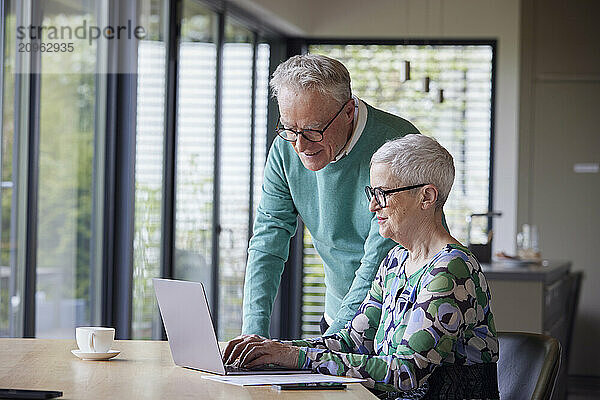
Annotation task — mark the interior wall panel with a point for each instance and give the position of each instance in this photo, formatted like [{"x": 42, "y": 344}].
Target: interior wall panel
[{"x": 565, "y": 204}]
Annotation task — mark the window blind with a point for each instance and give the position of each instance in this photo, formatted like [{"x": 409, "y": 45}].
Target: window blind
[{"x": 461, "y": 123}]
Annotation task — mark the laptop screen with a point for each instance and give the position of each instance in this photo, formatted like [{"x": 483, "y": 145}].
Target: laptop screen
[{"x": 186, "y": 316}]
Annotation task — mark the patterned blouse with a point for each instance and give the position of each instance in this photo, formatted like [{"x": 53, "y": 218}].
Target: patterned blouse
[{"x": 409, "y": 325}]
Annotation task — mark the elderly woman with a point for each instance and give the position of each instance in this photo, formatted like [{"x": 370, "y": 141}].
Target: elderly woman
[{"x": 425, "y": 329}]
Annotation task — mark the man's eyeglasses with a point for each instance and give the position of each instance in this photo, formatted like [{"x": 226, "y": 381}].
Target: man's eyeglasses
[
  {"x": 380, "y": 194},
  {"x": 312, "y": 135}
]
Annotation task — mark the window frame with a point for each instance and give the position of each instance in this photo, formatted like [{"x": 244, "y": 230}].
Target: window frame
[{"x": 261, "y": 33}]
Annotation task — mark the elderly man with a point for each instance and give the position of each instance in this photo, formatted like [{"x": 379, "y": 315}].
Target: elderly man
[{"x": 318, "y": 168}]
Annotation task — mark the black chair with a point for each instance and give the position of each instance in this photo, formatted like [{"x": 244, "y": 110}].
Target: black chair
[{"x": 528, "y": 365}]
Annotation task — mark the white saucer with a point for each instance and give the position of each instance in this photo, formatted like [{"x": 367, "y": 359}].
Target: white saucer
[{"x": 95, "y": 356}]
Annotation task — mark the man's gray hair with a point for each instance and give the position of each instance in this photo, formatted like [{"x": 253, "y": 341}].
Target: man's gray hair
[
  {"x": 416, "y": 159},
  {"x": 313, "y": 72}
]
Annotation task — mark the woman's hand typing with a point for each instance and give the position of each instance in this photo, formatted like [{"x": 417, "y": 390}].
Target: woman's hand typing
[{"x": 249, "y": 351}]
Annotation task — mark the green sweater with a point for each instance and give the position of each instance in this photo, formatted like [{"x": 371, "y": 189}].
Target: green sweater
[{"x": 334, "y": 208}]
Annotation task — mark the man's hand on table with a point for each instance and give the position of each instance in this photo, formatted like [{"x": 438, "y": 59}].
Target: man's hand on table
[{"x": 249, "y": 351}]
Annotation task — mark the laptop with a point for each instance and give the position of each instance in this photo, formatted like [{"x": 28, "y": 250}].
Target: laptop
[{"x": 186, "y": 316}]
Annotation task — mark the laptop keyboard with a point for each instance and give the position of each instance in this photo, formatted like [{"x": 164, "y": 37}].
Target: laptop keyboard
[
  {"x": 267, "y": 367},
  {"x": 234, "y": 368}
]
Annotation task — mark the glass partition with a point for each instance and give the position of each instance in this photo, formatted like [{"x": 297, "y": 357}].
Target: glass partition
[
  {"x": 196, "y": 155},
  {"x": 236, "y": 128},
  {"x": 148, "y": 169},
  {"x": 260, "y": 121},
  {"x": 196, "y": 93},
  {"x": 65, "y": 187},
  {"x": 74, "y": 152},
  {"x": 7, "y": 94}
]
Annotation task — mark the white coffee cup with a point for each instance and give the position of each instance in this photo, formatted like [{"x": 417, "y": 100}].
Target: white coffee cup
[{"x": 94, "y": 339}]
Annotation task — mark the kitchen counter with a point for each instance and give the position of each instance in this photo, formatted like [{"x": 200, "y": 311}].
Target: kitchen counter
[
  {"x": 549, "y": 271},
  {"x": 532, "y": 298}
]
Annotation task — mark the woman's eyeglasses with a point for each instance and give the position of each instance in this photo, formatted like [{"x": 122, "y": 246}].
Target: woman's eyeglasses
[{"x": 381, "y": 194}]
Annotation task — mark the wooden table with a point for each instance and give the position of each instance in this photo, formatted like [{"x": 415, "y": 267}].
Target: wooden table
[{"x": 143, "y": 370}]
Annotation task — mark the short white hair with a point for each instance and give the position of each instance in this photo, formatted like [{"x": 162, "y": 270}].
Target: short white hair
[
  {"x": 313, "y": 72},
  {"x": 415, "y": 159}
]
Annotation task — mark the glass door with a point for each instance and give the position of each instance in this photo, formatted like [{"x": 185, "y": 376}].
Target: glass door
[
  {"x": 68, "y": 92},
  {"x": 8, "y": 317}
]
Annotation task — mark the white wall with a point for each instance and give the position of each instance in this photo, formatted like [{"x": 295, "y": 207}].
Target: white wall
[{"x": 451, "y": 19}]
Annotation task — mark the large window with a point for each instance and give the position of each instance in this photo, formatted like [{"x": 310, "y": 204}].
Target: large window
[
  {"x": 220, "y": 151},
  {"x": 196, "y": 144},
  {"x": 125, "y": 160},
  {"x": 151, "y": 69},
  {"x": 455, "y": 108},
  {"x": 66, "y": 155},
  {"x": 236, "y": 140},
  {"x": 242, "y": 160},
  {"x": 49, "y": 105}
]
